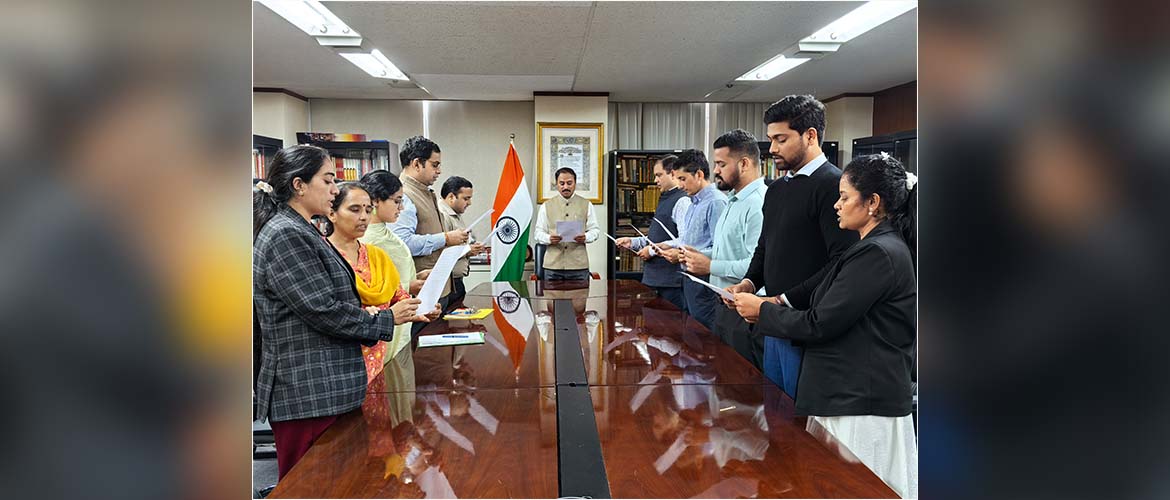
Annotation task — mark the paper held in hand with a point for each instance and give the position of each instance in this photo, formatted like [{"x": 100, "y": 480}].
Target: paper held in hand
[
  {"x": 432, "y": 288},
  {"x": 640, "y": 233},
  {"x": 668, "y": 233},
  {"x": 721, "y": 292},
  {"x": 615, "y": 243},
  {"x": 479, "y": 219},
  {"x": 568, "y": 230}
]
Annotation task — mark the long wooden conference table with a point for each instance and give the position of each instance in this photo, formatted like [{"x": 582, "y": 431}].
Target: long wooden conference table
[{"x": 588, "y": 389}]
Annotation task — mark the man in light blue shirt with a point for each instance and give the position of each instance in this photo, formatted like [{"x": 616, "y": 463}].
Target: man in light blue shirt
[
  {"x": 736, "y": 167},
  {"x": 707, "y": 204}
]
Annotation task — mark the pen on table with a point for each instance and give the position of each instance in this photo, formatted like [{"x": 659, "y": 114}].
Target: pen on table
[{"x": 454, "y": 336}]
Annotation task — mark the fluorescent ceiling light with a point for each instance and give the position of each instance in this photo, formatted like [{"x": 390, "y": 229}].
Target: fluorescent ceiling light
[
  {"x": 868, "y": 16},
  {"x": 316, "y": 21},
  {"x": 772, "y": 68},
  {"x": 375, "y": 64}
]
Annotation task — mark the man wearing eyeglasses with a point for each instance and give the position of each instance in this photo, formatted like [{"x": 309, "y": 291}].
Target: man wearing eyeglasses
[{"x": 421, "y": 225}]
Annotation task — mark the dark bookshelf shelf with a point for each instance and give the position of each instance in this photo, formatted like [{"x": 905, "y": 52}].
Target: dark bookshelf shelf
[{"x": 631, "y": 187}]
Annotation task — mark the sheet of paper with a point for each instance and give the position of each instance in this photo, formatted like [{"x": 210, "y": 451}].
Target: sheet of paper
[
  {"x": 668, "y": 233},
  {"x": 479, "y": 219},
  {"x": 448, "y": 339},
  {"x": 640, "y": 233},
  {"x": 607, "y": 235},
  {"x": 671, "y": 455},
  {"x": 432, "y": 288},
  {"x": 569, "y": 229},
  {"x": 721, "y": 292}
]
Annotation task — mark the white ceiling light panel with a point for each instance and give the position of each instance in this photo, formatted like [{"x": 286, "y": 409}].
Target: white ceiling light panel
[{"x": 316, "y": 21}]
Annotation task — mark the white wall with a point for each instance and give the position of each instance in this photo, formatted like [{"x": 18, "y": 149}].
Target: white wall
[
  {"x": 846, "y": 119},
  {"x": 474, "y": 138},
  {"x": 279, "y": 116},
  {"x": 583, "y": 110},
  {"x": 391, "y": 120}
]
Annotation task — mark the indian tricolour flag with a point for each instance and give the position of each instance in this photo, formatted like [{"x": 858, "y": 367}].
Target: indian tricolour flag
[
  {"x": 511, "y": 216},
  {"x": 513, "y": 317}
]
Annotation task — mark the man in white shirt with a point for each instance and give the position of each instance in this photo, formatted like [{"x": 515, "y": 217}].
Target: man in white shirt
[{"x": 566, "y": 257}]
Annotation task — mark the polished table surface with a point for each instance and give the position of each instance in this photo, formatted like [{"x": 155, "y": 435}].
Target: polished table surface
[
  {"x": 517, "y": 352},
  {"x": 457, "y": 444},
  {"x": 632, "y": 338},
  {"x": 678, "y": 413},
  {"x": 564, "y": 289},
  {"x": 720, "y": 441}
]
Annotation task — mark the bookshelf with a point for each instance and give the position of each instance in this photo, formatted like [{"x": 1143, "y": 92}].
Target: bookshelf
[
  {"x": 355, "y": 159},
  {"x": 262, "y": 150},
  {"x": 772, "y": 172},
  {"x": 633, "y": 197},
  {"x": 901, "y": 145}
]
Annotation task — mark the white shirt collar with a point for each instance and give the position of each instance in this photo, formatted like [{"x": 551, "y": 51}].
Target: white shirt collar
[{"x": 811, "y": 166}]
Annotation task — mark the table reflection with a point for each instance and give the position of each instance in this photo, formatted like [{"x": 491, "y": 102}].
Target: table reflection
[
  {"x": 646, "y": 340},
  {"x": 591, "y": 288},
  {"x": 718, "y": 441},
  {"x": 512, "y": 355},
  {"x": 435, "y": 444}
]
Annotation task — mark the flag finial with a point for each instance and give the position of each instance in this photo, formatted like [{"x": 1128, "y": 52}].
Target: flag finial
[{"x": 511, "y": 138}]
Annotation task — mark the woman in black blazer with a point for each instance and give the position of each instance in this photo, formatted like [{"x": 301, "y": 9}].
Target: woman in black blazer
[{"x": 859, "y": 330}]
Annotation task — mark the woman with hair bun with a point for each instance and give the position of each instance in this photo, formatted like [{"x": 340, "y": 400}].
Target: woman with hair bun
[
  {"x": 306, "y": 306},
  {"x": 860, "y": 328}
]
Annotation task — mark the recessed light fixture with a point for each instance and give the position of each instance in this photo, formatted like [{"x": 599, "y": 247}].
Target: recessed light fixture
[
  {"x": 860, "y": 20},
  {"x": 316, "y": 21},
  {"x": 375, "y": 64},
  {"x": 772, "y": 68}
]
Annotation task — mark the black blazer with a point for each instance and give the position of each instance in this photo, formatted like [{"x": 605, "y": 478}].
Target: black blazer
[{"x": 858, "y": 333}]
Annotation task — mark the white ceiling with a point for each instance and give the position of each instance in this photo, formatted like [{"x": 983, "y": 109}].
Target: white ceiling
[{"x": 636, "y": 51}]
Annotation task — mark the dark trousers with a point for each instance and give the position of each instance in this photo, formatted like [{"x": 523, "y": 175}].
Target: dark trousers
[
  {"x": 458, "y": 291},
  {"x": 444, "y": 304},
  {"x": 741, "y": 336},
  {"x": 294, "y": 437},
  {"x": 674, "y": 294},
  {"x": 701, "y": 303},
  {"x": 566, "y": 274}
]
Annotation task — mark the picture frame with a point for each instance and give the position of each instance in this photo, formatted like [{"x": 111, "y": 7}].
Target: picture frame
[{"x": 579, "y": 146}]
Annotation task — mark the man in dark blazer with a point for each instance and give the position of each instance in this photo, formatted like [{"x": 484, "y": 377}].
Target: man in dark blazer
[{"x": 800, "y": 237}]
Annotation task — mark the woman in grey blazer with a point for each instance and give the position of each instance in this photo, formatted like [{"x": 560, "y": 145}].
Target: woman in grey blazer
[{"x": 311, "y": 321}]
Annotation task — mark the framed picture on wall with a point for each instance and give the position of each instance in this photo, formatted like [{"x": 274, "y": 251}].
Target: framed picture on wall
[{"x": 574, "y": 145}]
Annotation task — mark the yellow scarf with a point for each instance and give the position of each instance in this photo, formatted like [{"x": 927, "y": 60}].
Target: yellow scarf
[{"x": 383, "y": 278}]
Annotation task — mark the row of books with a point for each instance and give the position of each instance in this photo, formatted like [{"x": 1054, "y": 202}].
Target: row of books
[
  {"x": 352, "y": 169},
  {"x": 769, "y": 168},
  {"x": 637, "y": 200},
  {"x": 635, "y": 169},
  {"x": 259, "y": 164},
  {"x": 627, "y": 262}
]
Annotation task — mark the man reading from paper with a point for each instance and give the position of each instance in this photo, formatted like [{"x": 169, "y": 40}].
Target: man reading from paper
[
  {"x": 456, "y": 198},
  {"x": 566, "y": 223}
]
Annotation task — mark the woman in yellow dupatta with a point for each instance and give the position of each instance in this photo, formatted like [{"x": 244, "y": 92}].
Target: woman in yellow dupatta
[
  {"x": 385, "y": 190},
  {"x": 378, "y": 284}
]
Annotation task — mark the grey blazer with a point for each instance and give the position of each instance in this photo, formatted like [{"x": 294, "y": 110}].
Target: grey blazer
[{"x": 311, "y": 322}]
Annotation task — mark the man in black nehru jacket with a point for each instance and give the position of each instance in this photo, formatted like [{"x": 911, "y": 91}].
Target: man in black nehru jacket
[{"x": 800, "y": 235}]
